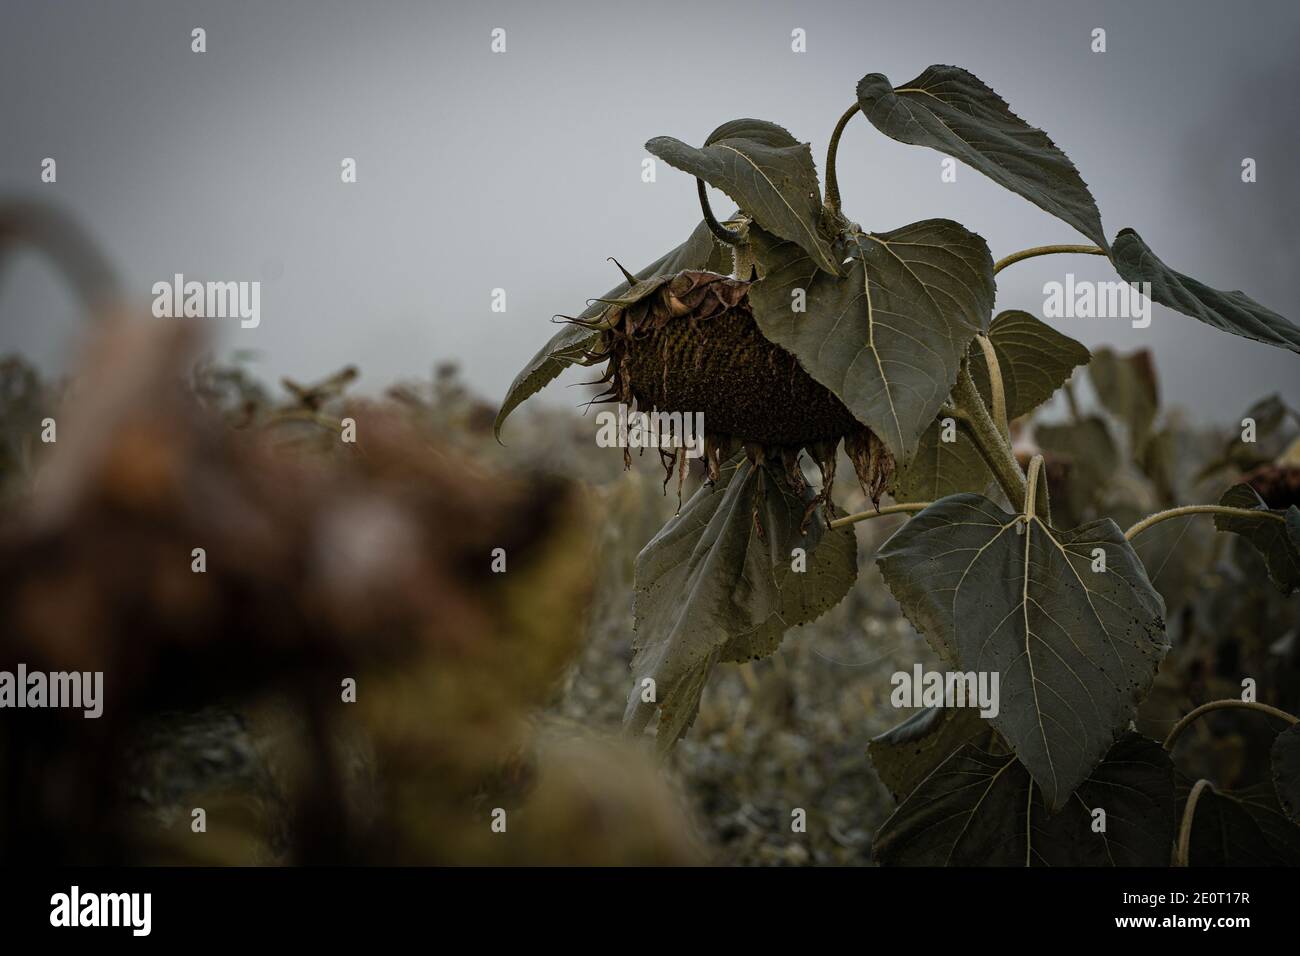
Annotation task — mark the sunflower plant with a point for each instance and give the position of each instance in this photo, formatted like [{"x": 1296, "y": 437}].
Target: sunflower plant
[{"x": 795, "y": 331}]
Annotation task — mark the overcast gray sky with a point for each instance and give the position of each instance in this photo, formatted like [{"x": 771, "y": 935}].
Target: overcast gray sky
[{"x": 522, "y": 170}]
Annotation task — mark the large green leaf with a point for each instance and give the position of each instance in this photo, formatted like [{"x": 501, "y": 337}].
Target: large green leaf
[
  {"x": 1243, "y": 827},
  {"x": 949, "y": 109},
  {"x": 888, "y": 337},
  {"x": 1233, "y": 312},
  {"x": 1076, "y": 649},
  {"x": 567, "y": 346},
  {"x": 983, "y": 809},
  {"x": 770, "y": 175},
  {"x": 1286, "y": 771},
  {"x": 711, "y": 587},
  {"x": 905, "y": 755},
  {"x": 1034, "y": 360},
  {"x": 1277, "y": 541}
]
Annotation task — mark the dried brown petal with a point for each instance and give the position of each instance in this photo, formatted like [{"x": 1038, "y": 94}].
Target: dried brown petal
[
  {"x": 717, "y": 449},
  {"x": 872, "y": 461}
]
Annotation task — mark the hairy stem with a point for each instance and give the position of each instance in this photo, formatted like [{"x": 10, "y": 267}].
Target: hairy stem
[
  {"x": 993, "y": 448},
  {"x": 888, "y": 510},
  {"x": 1031, "y": 486},
  {"x": 996, "y": 386},
  {"x": 1160, "y": 516},
  {"x": 1185, "y": 828},
  {"x": 832, "y": 182},
  {"x": 1229, "y": 703},
  {"x": 729, "y": 236},
  {"x": 1045, "y": 251}
]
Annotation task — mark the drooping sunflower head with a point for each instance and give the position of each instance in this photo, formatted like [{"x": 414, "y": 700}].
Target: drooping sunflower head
[{"x": 687, "y": 343}]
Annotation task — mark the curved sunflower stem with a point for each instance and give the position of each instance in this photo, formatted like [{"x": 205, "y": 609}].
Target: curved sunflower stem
[
  {"x": 993, "y": 448},
  {"x": 997, "y": 387},
  {"x": 888, "y": 510},
  {"x": 1033, "y": 496},
  {"x": 1038, "y": 491},
  {"x": 1160, "y": 516},
  {"x": 1229, "y": 703},
  {"x": 1045, "y": 251},
  {"x": 729, "y": 236},
  {"x": 832, "y": 181},
  {"x": 1185, "y": 828}
]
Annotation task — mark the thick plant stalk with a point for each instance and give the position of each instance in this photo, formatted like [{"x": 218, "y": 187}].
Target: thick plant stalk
[
  {"x": 1031, "y": 488},
  {"x": 995, "y": 450},
  {"x": 1039, "y": 491},
  {"x": 997, "y": 387},
  {"x": 832, "y": 181}
]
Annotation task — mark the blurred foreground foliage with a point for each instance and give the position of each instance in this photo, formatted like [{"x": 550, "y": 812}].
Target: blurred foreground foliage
[{"x": 325, "y": 561}]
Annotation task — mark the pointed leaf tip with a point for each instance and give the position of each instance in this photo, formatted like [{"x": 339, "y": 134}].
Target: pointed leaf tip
[
  {"x": 767, "y": 172},
  {"x": 1233, "y": 312},
  {"x": 952, "y": 110}
]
